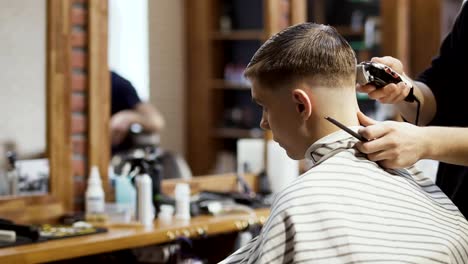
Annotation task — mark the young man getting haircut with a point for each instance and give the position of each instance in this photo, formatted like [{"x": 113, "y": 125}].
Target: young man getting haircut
[{"x": 345, "y": 209}]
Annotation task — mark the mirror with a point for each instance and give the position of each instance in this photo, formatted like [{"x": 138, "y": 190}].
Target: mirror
[
  {"x": 23, "y": 27},
  {"x": 58, "y": 75}
]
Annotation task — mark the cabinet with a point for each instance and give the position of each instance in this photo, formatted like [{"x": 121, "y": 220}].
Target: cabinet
[
  {"x": 222, "y": 37},
  {"x": 224, "y": 34}
]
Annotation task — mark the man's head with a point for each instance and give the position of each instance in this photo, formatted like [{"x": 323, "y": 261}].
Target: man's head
[{"x": 298, "y": 76}]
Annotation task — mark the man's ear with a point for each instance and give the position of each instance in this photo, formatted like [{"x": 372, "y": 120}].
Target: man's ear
[{"x": 302, "y": 102}]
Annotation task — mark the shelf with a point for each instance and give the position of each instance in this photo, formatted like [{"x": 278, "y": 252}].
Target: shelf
[
  {"x": 238, "y": 133},
  {"x": 348, "y": 32},
  {"x": 239, "y": 35},
  {"x": 228, "y": 85}
]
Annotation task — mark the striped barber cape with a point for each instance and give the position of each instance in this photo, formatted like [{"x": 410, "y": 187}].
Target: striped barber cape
[{"x": 347, "y": 209}]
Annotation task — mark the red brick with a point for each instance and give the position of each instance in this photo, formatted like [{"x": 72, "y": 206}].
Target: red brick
[
  {"x": 78, "y": 124},
  {"x": 79, "y": 146},
  {"x": 79, "y": 16},
  {"x": 79, "y": 39},
  {"x": 78, "y": 204},
  {"x": 78, "y": 59},
  {"x": 79, "y": 188},
  {"x": 79, "y": 167},
  {"x": 78, "y": 103},
  {"x": 79, "y": 82}
]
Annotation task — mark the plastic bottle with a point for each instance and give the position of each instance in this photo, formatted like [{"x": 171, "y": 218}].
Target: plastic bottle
[
  {"x": 12, "y": 174},
  {"x": 165, "y": 213},
  {"x": 94, "y": 194},
  {"x": 125, "y": 192},
  {"x": 145, "y": 210},
  {"x": 182, "y": 199}
]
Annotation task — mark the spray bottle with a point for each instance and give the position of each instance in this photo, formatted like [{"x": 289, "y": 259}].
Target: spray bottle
[{"x": 94, "y": 195}]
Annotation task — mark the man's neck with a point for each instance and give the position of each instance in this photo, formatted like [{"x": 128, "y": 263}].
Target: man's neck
[{"x": 342, "y": 110}]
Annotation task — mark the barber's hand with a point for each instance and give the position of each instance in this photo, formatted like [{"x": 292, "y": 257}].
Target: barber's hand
[
  {"x": 120, "y": 125},
  {"x": 393, "y": 144},
  {"x": 391, "y": 93}
]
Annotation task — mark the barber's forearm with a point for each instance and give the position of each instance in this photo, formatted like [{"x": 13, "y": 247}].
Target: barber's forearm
[
  {"x": 447, "y": 144},
  {"x": 155, "y": 123},
  {"x": 428, "y": 105},
  {"x": 153, "y": 119},
  {"x": 150, "y": 124}
]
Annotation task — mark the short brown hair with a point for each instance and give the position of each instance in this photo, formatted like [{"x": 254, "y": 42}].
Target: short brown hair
[{"x": 303, "y": 51}]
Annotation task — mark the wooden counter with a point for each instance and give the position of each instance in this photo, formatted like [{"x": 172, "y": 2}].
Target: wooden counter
[
  {"x": 125, "y": 237},
  {"x": 122, "y": 237}
]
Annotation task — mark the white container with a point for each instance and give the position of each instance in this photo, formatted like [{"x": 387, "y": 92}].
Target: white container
[
  {"x": 165, "y": 213},
  {"x": 182, "y": 200},
  {"x": 94, "y": 193},
  {"x": 145, "y": 209},
  {"x": 119, "y": 213},
  {"x": 281, "y": 169}
]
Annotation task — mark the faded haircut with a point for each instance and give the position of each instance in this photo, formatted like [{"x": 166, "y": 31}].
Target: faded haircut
[{"x": 304, "y": 51}]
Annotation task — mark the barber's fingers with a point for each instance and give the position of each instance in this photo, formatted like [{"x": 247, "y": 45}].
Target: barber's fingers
[
  {"x": 387, "y": 158},
  {"x": 391, "y": 93},
  {"x": 395, "y": 96},
  {"x": 365, "y": 88},
  {"x": 392, "y": 62},
  {"x": 375, "y": 146},
  {"x": 383, "y": 92},
  {"x": 375, "y": 131},
  {"x": 365, "y": 120},
  {"x": 388, "y": 154}
]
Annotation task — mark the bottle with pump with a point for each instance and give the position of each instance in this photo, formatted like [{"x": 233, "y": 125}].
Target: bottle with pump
[{"x": 94, "y": 195}]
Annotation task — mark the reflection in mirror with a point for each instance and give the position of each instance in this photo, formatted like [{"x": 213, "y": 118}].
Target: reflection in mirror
[
  {"x": 23, "y": 97},
  {"x": 128, "y": 62},
  {"x": 137, "y": 123}
]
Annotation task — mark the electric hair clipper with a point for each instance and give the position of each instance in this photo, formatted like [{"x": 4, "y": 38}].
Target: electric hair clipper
[{"x": 379, "y": 74}]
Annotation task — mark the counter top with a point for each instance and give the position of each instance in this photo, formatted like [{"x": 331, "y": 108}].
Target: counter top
[{"x": 123, "y": 237}]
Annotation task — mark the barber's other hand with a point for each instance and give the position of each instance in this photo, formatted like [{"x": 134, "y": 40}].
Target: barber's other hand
[
  {"x": 391, "y": 93},
  {"x": 392, "y": 144},
  {"x": 120, "y": 125}
]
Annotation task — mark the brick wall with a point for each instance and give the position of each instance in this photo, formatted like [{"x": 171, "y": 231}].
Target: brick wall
[{"x": 79, "y": 18}]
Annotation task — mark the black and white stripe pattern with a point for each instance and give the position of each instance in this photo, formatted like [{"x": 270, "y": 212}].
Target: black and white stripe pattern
[{"x": 347, "y": 209}]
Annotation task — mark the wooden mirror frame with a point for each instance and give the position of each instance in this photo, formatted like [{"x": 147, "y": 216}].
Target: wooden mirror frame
[
  {"x": 58, "y": 101},
  {"x": 58, "y": 111},
  {"x": 60, "y": 198}
]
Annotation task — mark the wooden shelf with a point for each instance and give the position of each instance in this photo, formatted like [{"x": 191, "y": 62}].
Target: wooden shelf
[
  {"x": 239, "y": 35},
  {"x": 349, "y": 32},
  {"x": 238, "y": 133},
  {"x": 228, "y": 85}
]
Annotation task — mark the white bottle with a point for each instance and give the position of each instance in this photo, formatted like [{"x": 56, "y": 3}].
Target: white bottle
[
  {"x": 145, "y": 209},
  {"x": 94, "y": 193},
  {"x": 182, "y": 199},
  {"x": 165, "y": 213}
]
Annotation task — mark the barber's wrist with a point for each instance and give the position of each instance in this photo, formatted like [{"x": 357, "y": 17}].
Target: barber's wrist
[{"x": 428, "y": 145}]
